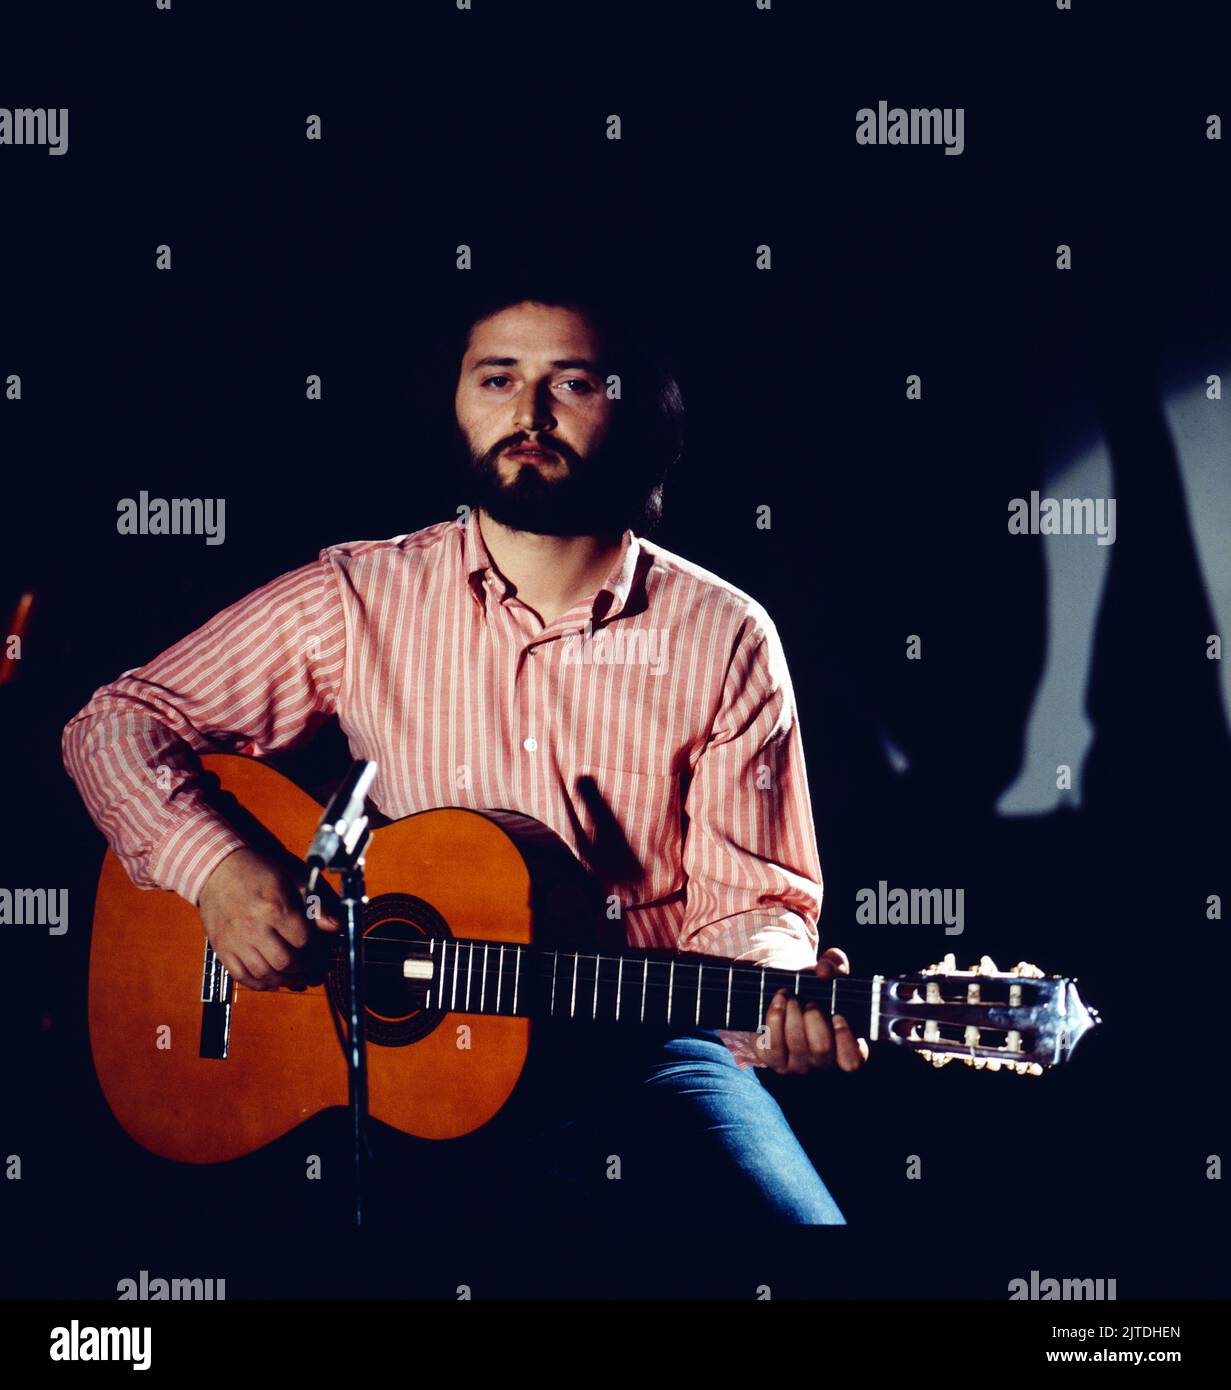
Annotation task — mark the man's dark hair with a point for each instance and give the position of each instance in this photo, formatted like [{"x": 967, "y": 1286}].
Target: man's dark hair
[{"x": 647, "y": 434}]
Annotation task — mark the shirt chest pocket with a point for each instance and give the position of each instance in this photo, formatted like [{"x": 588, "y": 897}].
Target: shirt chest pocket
[{"x": 631, "y": 816}]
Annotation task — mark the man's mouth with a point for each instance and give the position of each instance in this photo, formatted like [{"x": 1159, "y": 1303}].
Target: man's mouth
[{"x": 530, "y": 452}]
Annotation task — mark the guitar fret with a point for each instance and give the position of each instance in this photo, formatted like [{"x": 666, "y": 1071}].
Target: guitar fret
[
  {"x": 619, "y": 986},
  {"x": 431, "y": 950}
]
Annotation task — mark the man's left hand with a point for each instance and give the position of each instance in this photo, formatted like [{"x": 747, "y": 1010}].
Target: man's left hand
[{"x": 801, "y": 1039}]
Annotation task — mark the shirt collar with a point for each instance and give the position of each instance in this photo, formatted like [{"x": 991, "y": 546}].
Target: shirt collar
[{"x": 610, "y": 599}]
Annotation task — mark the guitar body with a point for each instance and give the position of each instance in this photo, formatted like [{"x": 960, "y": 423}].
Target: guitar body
[{"x": 484, "y": 876}]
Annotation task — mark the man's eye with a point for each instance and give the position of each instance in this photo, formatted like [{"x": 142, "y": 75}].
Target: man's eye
[
  {"x": 487, "y": 380},
  {"x": 578, "y": 382}
]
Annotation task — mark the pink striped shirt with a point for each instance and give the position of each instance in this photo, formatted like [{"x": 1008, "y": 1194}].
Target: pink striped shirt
[{"x": 668, "y": 688}]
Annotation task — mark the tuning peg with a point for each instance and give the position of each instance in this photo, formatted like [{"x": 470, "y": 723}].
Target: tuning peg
[
  {"x": 942, "y": 1059},
  {"x": 947, "y": 966},
  {"x": 937, "y": 1059},
  {"x": 985, "y": 966}
]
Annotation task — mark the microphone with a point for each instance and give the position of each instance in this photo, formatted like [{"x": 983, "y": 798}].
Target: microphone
[
  {"x": 344, "y": 820},
  {"x": 341, "y": 836}
]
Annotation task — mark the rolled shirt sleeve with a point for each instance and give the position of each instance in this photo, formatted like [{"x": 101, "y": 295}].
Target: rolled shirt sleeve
[
  {"x": 256, "y": 678},
  {"x": 750, "y": 854}
]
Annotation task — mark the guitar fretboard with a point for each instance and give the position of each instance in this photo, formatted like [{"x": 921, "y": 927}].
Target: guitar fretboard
[{"x": 492, "y": 977}]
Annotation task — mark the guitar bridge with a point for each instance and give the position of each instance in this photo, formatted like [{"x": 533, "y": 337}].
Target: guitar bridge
[{"x": 215, "y": 1007}]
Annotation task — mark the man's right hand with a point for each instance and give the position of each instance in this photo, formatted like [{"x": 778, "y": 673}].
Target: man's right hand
[{"x": 254, "y": 917}]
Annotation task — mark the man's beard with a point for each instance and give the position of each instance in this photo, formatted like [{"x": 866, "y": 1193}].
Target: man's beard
[{"x": 588, "y": 500}]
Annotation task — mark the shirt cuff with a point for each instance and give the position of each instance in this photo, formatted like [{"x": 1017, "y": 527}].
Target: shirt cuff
[
  {"x": 743, "y": 1047},
  {"x": 192, "y": 852}
]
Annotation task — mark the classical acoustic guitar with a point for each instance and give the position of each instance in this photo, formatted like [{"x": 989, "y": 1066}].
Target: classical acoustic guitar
[{"x": 476, "y": 923}]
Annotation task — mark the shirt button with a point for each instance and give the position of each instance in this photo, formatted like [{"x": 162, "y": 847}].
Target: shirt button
[{"x": 530, "y": 744}]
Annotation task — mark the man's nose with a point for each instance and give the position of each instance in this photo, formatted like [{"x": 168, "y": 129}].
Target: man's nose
[{"x": 532, "y": 411}]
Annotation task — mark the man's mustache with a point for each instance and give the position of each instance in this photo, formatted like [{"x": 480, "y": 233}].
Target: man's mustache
[{"x": 544, "y": 441}]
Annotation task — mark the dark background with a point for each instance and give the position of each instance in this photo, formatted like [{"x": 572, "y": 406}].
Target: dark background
[{"x": 888, "y": 519}]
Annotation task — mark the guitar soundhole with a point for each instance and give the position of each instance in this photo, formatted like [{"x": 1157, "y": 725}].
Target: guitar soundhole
[{"x": 395, "y": 926}]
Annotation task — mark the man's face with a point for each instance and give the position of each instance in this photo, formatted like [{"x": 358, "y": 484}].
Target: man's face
[{"x": 533, "y": 411}]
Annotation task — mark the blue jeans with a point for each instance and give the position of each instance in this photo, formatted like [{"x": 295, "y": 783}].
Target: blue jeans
[{"x": 666, "y": 1129}]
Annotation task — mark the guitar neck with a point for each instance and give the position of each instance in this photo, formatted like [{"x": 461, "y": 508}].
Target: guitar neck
[{"x": 648, "y": 987}]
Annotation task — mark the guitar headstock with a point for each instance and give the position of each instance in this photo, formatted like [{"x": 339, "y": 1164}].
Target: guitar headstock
[{"x": 1019, "y": 1019}]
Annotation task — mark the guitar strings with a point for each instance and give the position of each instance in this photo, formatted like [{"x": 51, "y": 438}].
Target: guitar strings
[
  {"x": 851, "y": 991},
  {"x": 747, "y": 983},
  {"x": 846, "y": 985},
  {"x": 470, "y": 950},
  {"x": 740, "y": 985}
]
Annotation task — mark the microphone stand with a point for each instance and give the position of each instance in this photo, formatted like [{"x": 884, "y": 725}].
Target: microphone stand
[{"x": 339, "y": 844}]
